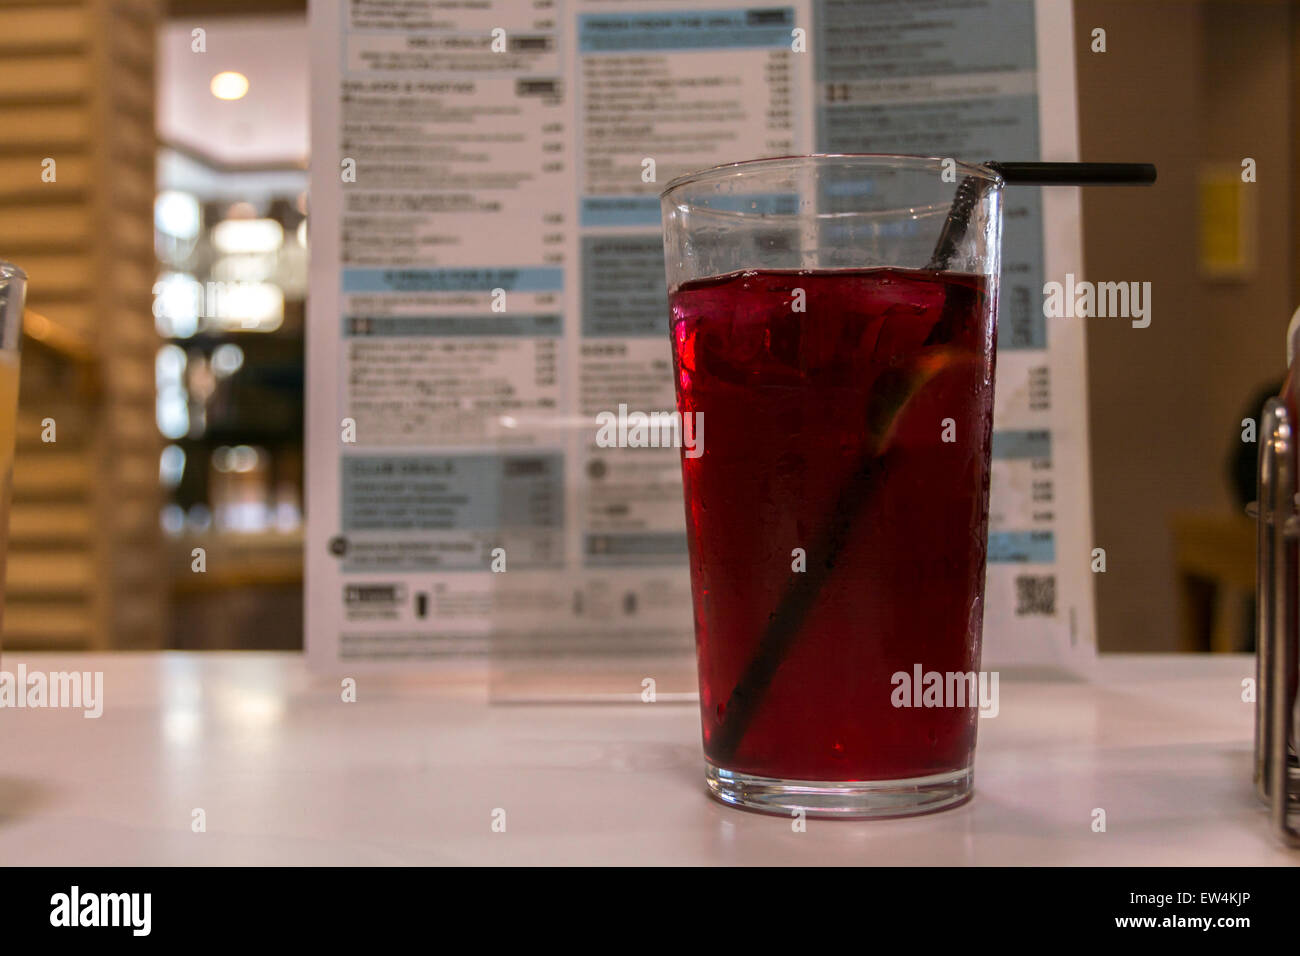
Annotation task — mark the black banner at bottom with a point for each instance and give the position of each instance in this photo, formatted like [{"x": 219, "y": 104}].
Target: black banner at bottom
[{"x": 301, "y": 904}]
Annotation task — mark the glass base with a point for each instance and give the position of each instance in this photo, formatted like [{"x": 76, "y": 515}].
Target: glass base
[{"x": 845, "y": 800}]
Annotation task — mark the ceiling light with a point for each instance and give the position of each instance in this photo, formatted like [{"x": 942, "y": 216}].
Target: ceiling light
[{"x": 229, "y": 85}]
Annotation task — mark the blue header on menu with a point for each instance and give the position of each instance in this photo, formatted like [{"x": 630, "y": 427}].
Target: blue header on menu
[
  {"x": 526, "y": 279},
  {"x": 685, "y": 30}
]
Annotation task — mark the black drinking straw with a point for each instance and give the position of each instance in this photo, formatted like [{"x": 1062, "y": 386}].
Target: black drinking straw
[
  {"x": 971, "y": 188},
  {"x": 1075, "y": 174},
  {"x": 887, "y": 400}
]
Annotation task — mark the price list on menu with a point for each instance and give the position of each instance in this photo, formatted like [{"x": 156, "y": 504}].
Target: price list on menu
[{"x": 488, "y": 278}]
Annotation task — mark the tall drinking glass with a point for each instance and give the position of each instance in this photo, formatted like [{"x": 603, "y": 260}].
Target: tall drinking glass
[
  {"x": 13, "y": 292},
  {"x": 836, "y": 335}
]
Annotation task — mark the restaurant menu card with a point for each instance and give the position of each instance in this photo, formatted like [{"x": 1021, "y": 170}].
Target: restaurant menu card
[{"x": 487, "y": 281}]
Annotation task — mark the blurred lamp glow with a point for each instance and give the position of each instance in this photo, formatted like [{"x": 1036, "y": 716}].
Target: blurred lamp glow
[
  {"x": 178, "y": 299},
  {"x": 171, "y": 466},
  {"x": 169, "y": 365},
  {"x": 229, "y": 85},
  {"x": 176, "y": 214},
  {"x": 248, "y": 235},
  {"x": 227, "y": 359},
  {"x": 248, "y": 307},
  {"x": 172, "y": 407},
  {"x": 240, "y": 458},
  {"x": 173, "y": 414},
  {"x": 173, "y": 519},
  {"x": 199, "y": 518}
]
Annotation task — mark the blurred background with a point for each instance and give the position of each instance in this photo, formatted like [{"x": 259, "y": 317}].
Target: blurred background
[
  {"x": 170, "y": 260},
  {"x": 176, "y": 395}
]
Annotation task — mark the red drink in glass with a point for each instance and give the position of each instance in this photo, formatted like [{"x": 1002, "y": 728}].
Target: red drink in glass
[
  {"x": 833, "y": 324},
  {"x": 859, "y": 431}
]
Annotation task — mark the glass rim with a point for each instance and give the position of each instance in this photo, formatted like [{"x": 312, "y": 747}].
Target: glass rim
[
  {"x": 9, "y": 270},
  {"x": 902, "y": 160}
]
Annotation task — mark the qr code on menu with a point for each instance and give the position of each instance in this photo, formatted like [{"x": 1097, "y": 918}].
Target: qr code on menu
[{"x": 1035, "y": 595}]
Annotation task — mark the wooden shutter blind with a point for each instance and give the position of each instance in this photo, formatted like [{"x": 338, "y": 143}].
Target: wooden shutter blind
[{"x": 77, "y": 86}]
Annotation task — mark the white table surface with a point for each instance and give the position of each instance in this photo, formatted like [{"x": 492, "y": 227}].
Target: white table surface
[{"x": 286, "y": 773}]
